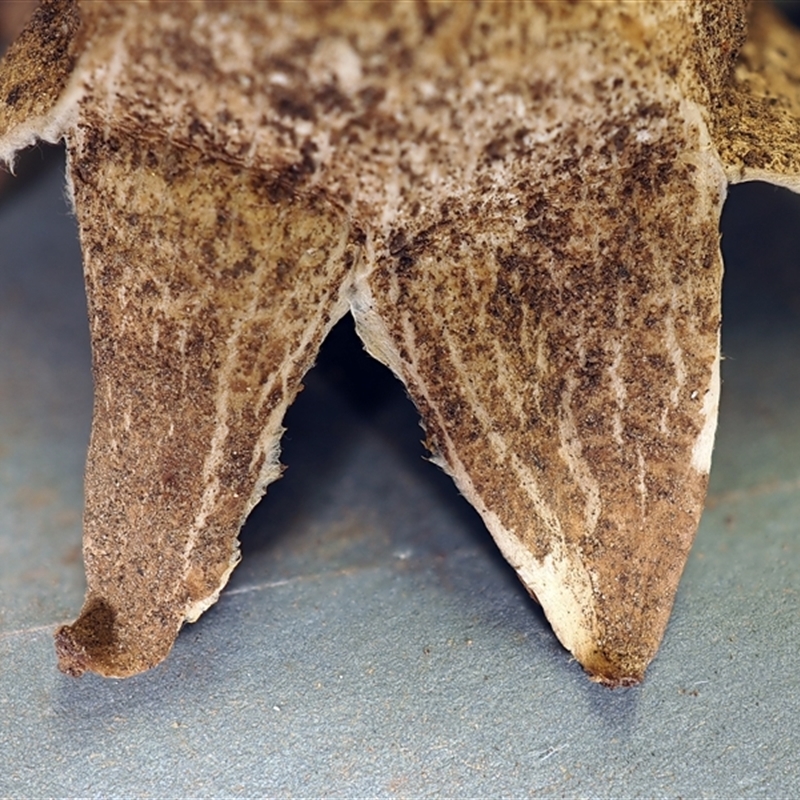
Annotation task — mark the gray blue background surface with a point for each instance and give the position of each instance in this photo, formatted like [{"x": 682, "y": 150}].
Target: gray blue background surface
[{"x": 373, "y": 642}]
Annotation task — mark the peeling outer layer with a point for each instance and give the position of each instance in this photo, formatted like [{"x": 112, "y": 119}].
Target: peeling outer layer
[{"x": 518, "y": 201}]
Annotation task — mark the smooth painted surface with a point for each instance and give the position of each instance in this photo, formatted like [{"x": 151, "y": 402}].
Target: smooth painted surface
[{"x": 373, "y": 642}]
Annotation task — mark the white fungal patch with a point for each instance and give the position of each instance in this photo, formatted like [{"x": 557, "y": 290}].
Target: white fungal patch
[
  {"x": 675, "y": 353},
  {"x": 342, "y": 60},
  {"x": 703, "y": 447},
  {"x": 618, "y": 388},
  {"x": 571, "y": 451},
  {"x": 641, "y": 479}
]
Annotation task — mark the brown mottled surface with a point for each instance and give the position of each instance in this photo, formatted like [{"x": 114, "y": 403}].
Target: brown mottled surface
[
  {"x": 518, "y": 201},
  {"x": 561, "y": 354},
  {"x": 757, "y": 124},
  {"x": 37, "y": 67},
  {"x": 208, "y": 299}
]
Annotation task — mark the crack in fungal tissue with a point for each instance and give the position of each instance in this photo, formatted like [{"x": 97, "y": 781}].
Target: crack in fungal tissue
[{"x": 519, "y": 204}]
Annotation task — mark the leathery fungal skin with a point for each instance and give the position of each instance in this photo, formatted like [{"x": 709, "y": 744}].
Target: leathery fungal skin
[{"x": 518, "y": 203}]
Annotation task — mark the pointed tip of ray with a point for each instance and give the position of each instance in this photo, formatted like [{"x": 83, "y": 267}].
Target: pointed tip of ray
[{"x": 612, "y": 674}]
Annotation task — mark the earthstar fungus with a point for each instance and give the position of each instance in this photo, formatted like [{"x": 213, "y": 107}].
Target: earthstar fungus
[{"x": 518, "y": 203}]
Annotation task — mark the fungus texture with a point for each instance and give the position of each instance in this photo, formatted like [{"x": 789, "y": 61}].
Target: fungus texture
[{"x": 518, "y": 203}]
